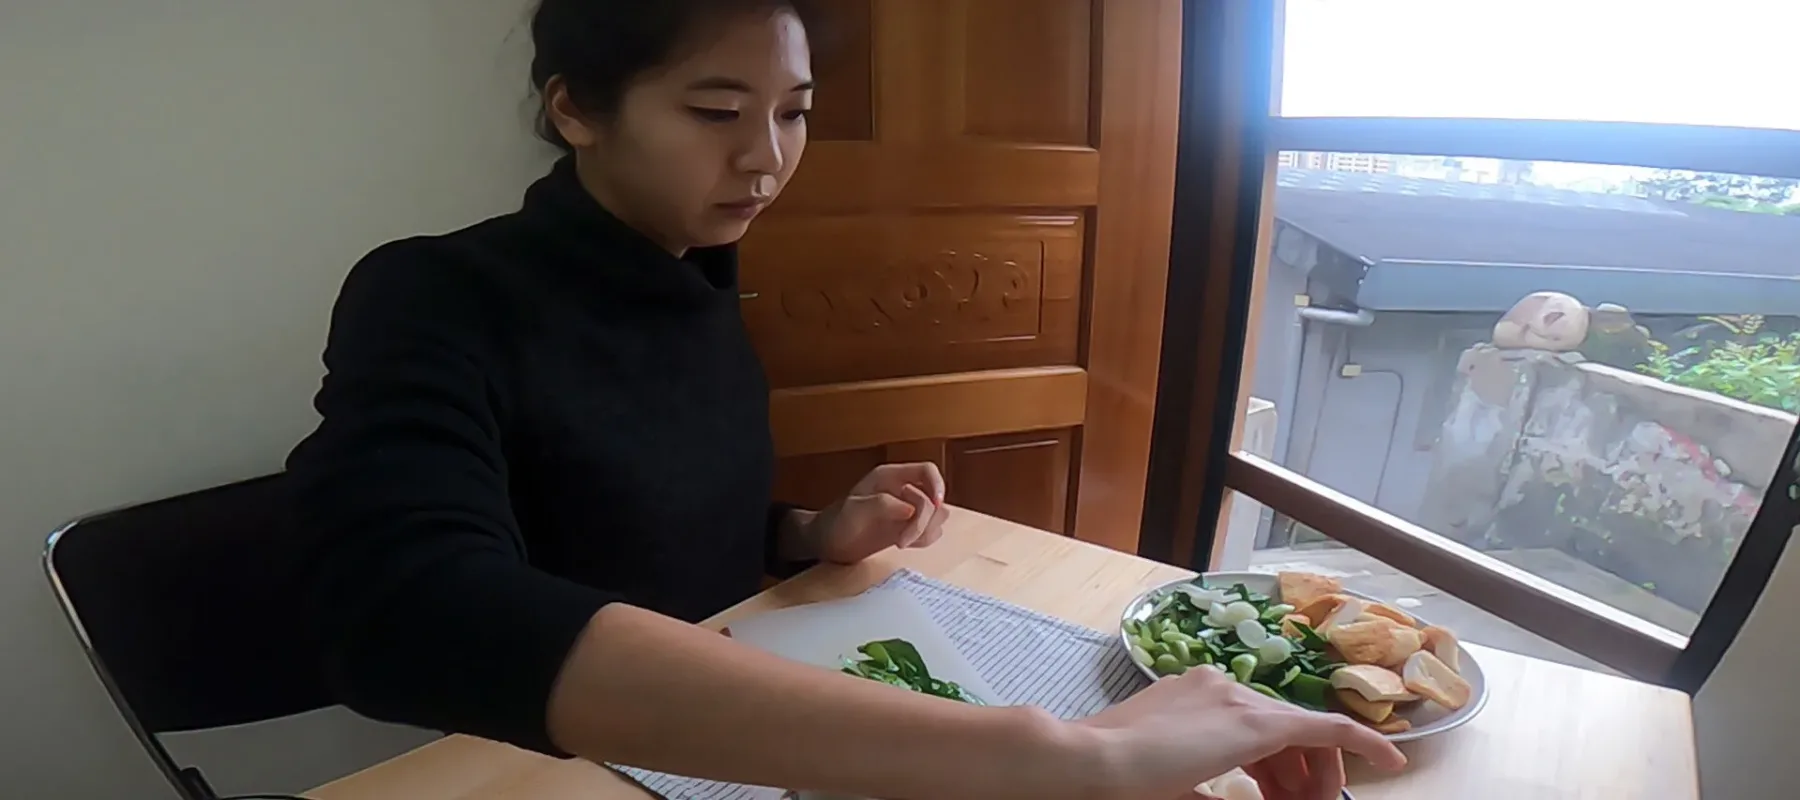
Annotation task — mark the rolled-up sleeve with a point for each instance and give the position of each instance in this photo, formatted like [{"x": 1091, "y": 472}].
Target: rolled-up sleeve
[
  {"x": 775, "y": 565},
  {"x": 425, "y": 611}
]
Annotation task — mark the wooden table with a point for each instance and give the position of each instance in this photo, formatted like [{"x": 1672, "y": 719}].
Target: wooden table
[{"x": 1549, "y": 731}]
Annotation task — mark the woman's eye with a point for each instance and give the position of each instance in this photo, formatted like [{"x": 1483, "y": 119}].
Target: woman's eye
[
  {"x": 714, "y": 114},
  {"x": 796, "y": 115}
]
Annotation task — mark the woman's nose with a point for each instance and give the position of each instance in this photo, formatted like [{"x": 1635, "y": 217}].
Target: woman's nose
[{"x": 761, "y": 152}]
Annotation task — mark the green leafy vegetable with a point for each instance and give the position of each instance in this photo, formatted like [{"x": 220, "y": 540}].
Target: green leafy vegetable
[
  {"x": 897, "y": 662},
  {"x": 1309, "y": 690},
  {"x": 1309, "y": 637},
  {"x": 1241, "y": 633}
]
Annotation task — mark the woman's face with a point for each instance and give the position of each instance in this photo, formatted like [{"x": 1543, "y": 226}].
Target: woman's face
[{"x": 701, "y": 146}]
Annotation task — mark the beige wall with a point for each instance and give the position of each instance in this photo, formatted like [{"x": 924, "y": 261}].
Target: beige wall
[
  {"x": 1747, "y": 714},
  {"x": 182, "y": 185}
]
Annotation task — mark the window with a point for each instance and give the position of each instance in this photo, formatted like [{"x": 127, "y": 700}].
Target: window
[
  {"x": 1585, "y": 60},
  {"x": 1524, "y": 322},
  {"x": 1588, "y": 371},
  {"x": 1316, "y": 552}
]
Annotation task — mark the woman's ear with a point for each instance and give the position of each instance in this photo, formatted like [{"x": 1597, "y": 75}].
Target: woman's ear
[{"x": 561, "y": 111}]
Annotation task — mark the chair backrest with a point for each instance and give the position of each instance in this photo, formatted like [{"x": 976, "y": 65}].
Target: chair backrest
[{"x": 189, "y": 610}]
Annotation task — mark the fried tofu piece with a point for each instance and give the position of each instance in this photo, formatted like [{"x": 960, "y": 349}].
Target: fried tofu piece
[
  {"x": 1391, "y": 726},
  {"x": 1442, "y": 643},
  {"x": 1375, "y": 684},
  {"x": 1349, "y": 609},
  {"x": 1300, "y": 589},
  {"x": 1371, "y": 710},
  {"x": 1434, "y": 680},
  {"x": 1395, "y": 614},
  {"x": 1321, "y": 609},
  {"x": 1381, "y": 642}
]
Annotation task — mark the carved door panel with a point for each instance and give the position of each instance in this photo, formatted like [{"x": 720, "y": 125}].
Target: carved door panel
[{"x": 923, "y": 288}]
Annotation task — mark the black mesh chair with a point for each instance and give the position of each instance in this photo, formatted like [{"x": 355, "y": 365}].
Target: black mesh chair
[{"x": 187, "y": 610}]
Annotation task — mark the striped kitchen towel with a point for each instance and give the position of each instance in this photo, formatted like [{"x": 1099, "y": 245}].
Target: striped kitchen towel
[{"x": 1028, "y": 658}]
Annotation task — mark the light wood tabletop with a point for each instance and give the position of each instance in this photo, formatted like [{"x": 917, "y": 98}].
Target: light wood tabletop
[{"x": 1549, "y": 730}]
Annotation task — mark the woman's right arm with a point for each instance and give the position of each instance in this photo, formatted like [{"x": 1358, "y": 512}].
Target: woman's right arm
[
  {"x": 428, "y": 613},
  {"x": 424, "y": 608}
]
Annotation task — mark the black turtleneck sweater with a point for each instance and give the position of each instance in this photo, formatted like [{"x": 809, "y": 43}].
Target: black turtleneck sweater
[{"x": 523, "y": 421}]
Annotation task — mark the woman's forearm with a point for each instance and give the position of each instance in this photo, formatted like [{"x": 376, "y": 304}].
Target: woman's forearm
[{"x": 648, "y": 691}]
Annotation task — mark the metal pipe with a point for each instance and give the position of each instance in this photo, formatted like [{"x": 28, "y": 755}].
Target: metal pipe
[
  {"x": 1339, "y": 350},
  {"x": 1289, "y": 405},
  {"x": 1360, "y": 318}
]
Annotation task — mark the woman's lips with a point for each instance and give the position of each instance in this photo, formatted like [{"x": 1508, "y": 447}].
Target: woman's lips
[{"x": 741, "y": 209}]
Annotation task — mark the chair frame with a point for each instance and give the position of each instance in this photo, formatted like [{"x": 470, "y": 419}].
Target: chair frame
[{"x": 188, "y": 781}]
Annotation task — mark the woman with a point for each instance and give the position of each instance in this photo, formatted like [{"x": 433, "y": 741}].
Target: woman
[{"x": 545, "y": 452}]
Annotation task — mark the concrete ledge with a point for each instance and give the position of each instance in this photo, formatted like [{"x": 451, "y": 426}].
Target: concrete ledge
[{"x": 1747, "y": 436}]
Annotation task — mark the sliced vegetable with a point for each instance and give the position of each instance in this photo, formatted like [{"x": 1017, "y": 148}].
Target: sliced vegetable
[
  {"x": 1184, "y": 654},
  {"x": 1142, "y": 656},
  {"x": 1251, "y": 633},
  {"x": 1227, "y": 615},
  {"x": 1275, "y": 612},
  {"x": 1289, "y": 676},
  {"x": 1242, "y": 666},
  {"x": 1275, "y": 650},
  {"x": 1308, "y": 690},
  {"x": 1201, "y": 596}
]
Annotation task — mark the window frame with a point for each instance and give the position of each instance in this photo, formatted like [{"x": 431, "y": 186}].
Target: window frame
[{"x": 1229, "y": 141}]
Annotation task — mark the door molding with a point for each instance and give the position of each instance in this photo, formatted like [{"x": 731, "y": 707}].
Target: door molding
[
  {"x": 847, "y": 416},
  {"x": 1139, "y": 91}
]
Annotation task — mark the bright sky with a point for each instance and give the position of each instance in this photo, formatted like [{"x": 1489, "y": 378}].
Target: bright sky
[{"x": 1711, "y": 62}]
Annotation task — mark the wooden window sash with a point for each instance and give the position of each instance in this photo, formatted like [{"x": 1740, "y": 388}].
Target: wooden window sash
[{"x": 1631, "y": 645}]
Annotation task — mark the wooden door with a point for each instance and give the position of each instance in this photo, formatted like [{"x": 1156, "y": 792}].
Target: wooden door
[{"x": 969, "y": 266}]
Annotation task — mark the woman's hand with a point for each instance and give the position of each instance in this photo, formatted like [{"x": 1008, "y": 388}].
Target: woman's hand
[
  {"x": 895, "y": 505},
  {"x": 1183, "y": 730}
]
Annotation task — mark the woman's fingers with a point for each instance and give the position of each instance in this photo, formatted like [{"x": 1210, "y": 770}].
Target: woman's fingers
[
  {"x": 1287, "y": 770},
  {"x": 923, "y": 508},
  {"x": 918, "y": 485},
  {"x": 923, "y": 474},
  {"x": 1314, "y": 729},
  {"x": 1325, "y": 768},
  {"x": 934, "y": 529},
  {"x": 1264, "y": 775},
  {"x": 933, "y": 482}
]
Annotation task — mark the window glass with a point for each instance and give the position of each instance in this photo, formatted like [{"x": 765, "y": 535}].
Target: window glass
[
  {"x": 1587, "y": 371},
  {"x": 1724, "y": 62},
  {"x": 1309, "y": 550}
]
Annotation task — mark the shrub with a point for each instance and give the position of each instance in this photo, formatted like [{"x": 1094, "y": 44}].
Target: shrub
[{"x": 1765, "y": 372}]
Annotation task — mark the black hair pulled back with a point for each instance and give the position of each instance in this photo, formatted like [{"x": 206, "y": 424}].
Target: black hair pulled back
[{"x": 600, "y": 46}]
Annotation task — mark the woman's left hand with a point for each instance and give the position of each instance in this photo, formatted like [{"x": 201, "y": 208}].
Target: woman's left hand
[{"x": 895, "y": 505}]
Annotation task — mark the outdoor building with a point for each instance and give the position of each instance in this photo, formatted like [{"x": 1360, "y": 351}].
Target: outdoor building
[{"x": 1380, "y": 309}]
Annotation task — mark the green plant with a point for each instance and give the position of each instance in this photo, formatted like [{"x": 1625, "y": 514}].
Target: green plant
[{"x": 1765, "y": 371}]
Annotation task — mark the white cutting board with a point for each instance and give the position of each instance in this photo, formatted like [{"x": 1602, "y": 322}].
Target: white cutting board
[{"x": 824, "y": 634}]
